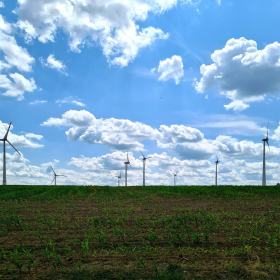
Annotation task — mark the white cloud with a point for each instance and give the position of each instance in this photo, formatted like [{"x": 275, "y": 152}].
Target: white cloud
[
  {"x": 18, "y": 87},
  {"x": 113, "y": 24},
  {"x": 32, "y": 135},
  {"x": 276, "y": 135},
  {"x": 19, "y": 141},
  {"x": 113, "y": 161},
  {"x": 4, "y": 26},
  {"x": 179, "y": 134},
  {"x": 242, "y": 72},
  {"x": 70, "y": 99},
  {"x": 78, "y": 103},
  {"x": 2, "y": 4},
  {"x": 114, "y": 133},
  {"x": 36, "y": 102},
  {"x": 171, "y": 68},
  {"x": 237, "y": 105},
  {"x": 14, "y": 54},
  {"x": 54, "y": 64},
  {"x": 72, "y": 118},
  {"x": 187, "y": 142}
]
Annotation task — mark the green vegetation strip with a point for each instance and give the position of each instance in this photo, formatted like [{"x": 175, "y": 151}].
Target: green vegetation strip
[{"x": 104, "y": 192}]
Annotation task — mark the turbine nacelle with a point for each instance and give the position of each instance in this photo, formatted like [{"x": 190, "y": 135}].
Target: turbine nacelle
[{"x": 144, "y": 158}]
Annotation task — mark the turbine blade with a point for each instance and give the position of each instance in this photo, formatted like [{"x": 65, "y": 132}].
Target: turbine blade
[
  {"x": 52, "y": 170},
  {"x": 61, "y": 175},
  {"x": 13, "y": 147},
  {"x": 127, "y": 157},
  {"x": 142, "y": 154},
  {"x": 6, "y": 135},
  {"x": 52, "y": 181},
  {"x": 268, "y": 146},
  {"x": 267, "y": 129}
]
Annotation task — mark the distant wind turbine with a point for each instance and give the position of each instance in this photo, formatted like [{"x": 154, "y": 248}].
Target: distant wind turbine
[
  {"x": 144, "y": 164},
  {"x": 4, "y": 140},
  {"x": 119, "y": 178},
  {"x": 126, "y": 164},
  {"x": 216, "y": 178},
  {"x": 175, "y": 178},
  {"x": 55, "y": 175},
  {"x": 264, "y": 173}
]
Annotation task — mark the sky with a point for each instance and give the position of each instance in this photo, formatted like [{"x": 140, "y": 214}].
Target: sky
[{"x": 84, "y": 82}]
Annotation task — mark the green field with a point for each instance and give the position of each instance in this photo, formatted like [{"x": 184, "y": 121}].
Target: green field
[{"x": 155, "y": 232}]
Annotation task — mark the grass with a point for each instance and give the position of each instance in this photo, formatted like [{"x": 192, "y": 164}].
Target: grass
[{"x": 154, "y": 232}]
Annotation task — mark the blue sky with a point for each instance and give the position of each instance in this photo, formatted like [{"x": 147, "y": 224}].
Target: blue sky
[{"x": 180, "y": 80}]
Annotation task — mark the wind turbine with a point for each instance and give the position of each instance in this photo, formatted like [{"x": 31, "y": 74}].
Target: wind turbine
[
  {"x": 175, "y": 178},
  {"x": 55, "y": 175},
  {"x": 144, "y": 164},
  {"x": 119, "y": 178},
  {"x": 4, "y": 140},
  {"x": 216, "y": 179},
  {"x": 265, "y": 140},
  {"x": 126, "y": 164}
]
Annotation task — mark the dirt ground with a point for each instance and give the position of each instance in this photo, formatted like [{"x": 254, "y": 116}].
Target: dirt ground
[{"x": 207, "y": 237}]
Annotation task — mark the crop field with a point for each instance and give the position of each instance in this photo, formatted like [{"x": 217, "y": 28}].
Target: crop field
[{"x": 183, "y": 232}]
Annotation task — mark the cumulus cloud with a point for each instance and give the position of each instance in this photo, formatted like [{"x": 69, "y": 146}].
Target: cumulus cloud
[
  {"x": 237, "y": 106},
  {"x": 187, "y": 142},
  {"x": 242, "y": 72},
  {"x": 70, "y": 99},
  {"x": 4, "y": 26},
  {"x": 15, "y": 55},
  {"x": 171, "y": 68},
  {"x": 18, "y": 87},
  {"x": 113, "y": 133},
  {"x": 54, "y": 64},
  {"x": 112, "y": 24},
  {"x": 276, "y": 134},
  {"x": 19, "y": 141},
  {"x": 113, "y": 161}
]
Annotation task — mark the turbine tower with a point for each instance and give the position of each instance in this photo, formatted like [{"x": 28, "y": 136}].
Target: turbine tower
[
  {"x": 126, "y": 164},
  {"x": 144, "y": 164},
  {"x": 119, "y": 178},
  {"x": 265, "y": 140},
  {"x": 175, "y": 178},
  {"x": 55, "y": 175},
  {"x": 4, "y": 140},
  {"x": 216, "y": 179}
]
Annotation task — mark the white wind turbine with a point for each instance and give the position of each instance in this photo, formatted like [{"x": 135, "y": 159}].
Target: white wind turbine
[
  {"x": 126, "y": 164},
  {"x": 144, "y": 165},
  {"x": 4, "y": 140},
  {"x": 216, "y": 178},
  {"x": 119, "y": 178},
  {"x": 55, "y": 175},
  {"x": 264, "y": 173},
  {"x": 175, "y": 178}
]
